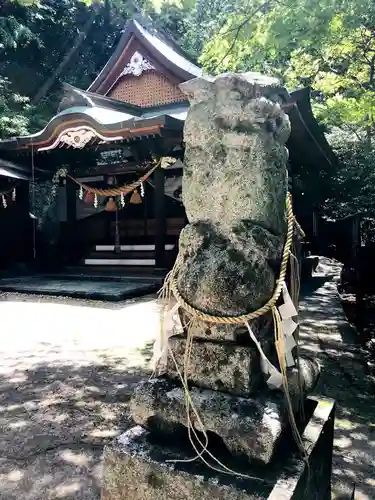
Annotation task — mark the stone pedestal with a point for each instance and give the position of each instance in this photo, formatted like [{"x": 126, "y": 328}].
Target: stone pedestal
[
  {"x": 250, "y": 427},
  {"x": 137, "y": 467}
]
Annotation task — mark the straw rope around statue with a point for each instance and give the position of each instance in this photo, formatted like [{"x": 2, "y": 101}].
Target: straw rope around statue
[
  {"x": 170, "y": 289},
  {"x": 244, "y": 318}
]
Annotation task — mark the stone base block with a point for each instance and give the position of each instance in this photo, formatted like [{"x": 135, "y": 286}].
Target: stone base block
[
  {"x": 250, "y": 428},
  {"x": 138, "y": 467},
  {"x": 221, "y": 366}
]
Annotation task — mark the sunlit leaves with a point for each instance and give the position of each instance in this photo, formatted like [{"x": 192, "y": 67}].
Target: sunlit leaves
[
  {"x": 14, "y": 111},
  {"x": 329, "y": 45},
  {"x": 13, "y": 33},
  {"x": 27, "y": 3}
]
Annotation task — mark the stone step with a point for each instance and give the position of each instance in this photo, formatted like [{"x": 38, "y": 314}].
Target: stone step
[
  {"x": 115, "y": 272},
  {"x": 129, "y": 254},
  {"x": 132, "y": 248},
  {"x": 92, "y": 288},
  {"x": 139, "y": 240},
  {"x": 119, "y": 262}
]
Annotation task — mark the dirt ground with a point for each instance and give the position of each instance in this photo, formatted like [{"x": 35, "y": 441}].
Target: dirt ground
[
  {"x": 68, "y": 368},
  {"x": 67, "y": 371}
]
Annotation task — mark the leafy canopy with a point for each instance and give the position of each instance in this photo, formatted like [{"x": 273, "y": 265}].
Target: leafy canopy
[
  {"x": 329, "y": 45},
  {"x": 15, "y": 111}
]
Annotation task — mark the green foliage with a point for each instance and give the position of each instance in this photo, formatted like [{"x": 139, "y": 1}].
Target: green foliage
[
  {"x": 13, "y": 33},
  {"x": 27, "y": 3},
  {"x": 191, "y": 22},
  {"x": 15, "y": 111},
  {"x": 30, "y": 3},
  {"x": 35, "y": 38},
  {"x": 352, "y": 185},
  {"x": 329, "y": 45},
  {"x": 352, "y": 190}
]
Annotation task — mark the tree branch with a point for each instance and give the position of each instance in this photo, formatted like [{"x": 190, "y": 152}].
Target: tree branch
[
  {"x": 372, "y": 70},
  {"x": 238, "y": 30},
  {"x": 232, "y": 44},
  {"x": 351, "y": 77},
  {"x": 81, "y": 37}
]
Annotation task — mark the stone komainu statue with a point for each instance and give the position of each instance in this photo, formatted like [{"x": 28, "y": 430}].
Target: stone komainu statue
[
  {"x": 234, "y": 192},
  {"x": 231, "y": 257}
]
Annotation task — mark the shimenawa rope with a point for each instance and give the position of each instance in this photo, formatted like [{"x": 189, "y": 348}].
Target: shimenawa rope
[{"x": 125, "y": 189}]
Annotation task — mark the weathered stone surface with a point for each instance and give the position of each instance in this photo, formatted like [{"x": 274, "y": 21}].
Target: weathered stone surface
[
  {"x": 137, "y": 467},
  {"x": 221, "y": 366},
  {"x": 309, "y": 371},
  {"x": 234, "y": 191},
  {"x": 250, "y": 428}
]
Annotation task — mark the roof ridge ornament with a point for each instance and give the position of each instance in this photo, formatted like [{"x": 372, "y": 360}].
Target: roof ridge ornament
[
  {"x": 78, "y": 138},
  {"x": 137, "y": 65}
]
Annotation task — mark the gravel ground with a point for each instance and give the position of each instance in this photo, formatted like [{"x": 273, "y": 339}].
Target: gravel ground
[{"x": 67, "y": 370}]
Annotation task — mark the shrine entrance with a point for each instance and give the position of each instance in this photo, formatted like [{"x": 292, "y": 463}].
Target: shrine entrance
[{"x": 144, "y": 232}]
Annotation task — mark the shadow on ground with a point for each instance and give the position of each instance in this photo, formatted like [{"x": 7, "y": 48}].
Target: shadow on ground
[
  {"x": 56, "y": 414},
  {"x": 54, "y": 423}
]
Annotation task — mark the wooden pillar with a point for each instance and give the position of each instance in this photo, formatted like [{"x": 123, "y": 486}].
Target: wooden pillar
[
  {"x": 145, "y": 210},
  {"x": 356, "y": 260},
  {"x": 110, "y": 221},
  {"x": 160, "y": 222},
  {"x": 71, "y": 200}
]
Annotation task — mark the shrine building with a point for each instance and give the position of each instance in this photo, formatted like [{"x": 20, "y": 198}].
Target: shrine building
[{"x": 88, "y": 190}]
